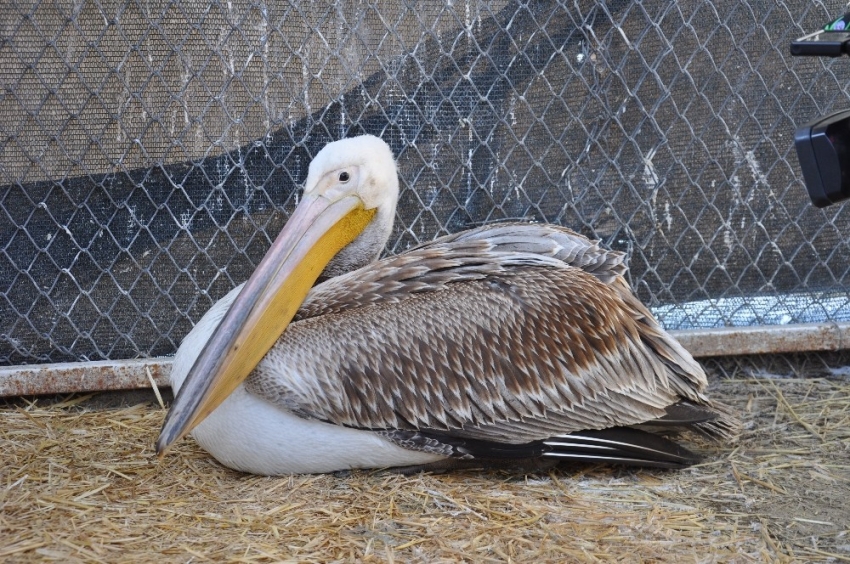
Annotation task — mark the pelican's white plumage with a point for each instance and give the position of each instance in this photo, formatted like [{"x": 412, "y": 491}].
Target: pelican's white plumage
[{"x": 509, "y": 341}]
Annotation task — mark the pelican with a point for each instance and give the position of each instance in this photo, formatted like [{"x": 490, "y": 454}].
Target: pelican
[{"x": 504, "y": 343}]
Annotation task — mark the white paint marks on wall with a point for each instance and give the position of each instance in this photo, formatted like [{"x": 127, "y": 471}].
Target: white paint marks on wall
[
  {"x": 758, "y": 175},
  {"x": 650, "y": 175},
  {"x": 735, "y": 180},
  {"x": 651, "y": 182},
  {"x": 186, "y": 220},
  {"x": 728, "y": 239}
]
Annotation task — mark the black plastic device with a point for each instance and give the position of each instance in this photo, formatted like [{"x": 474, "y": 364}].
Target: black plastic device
[
  {"x": 823, "y": 148},
  {"x": 822, "y": 44}
]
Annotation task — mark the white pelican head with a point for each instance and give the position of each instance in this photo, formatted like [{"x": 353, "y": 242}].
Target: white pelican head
[
  {"x": 342, "y": 222},
  {"x": 364, "y": 167}
]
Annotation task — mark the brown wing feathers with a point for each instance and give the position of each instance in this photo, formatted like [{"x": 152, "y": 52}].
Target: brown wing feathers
[{"x": 504, "y": 334}]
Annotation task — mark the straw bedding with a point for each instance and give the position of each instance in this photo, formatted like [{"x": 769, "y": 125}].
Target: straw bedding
[{"x": 79, "y": 482}]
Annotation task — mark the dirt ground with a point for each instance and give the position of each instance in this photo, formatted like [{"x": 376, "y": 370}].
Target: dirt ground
[{"x": 79, "y": 482}]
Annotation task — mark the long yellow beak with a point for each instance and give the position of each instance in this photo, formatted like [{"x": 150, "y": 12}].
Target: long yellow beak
[{"x": 318, "y": 229}]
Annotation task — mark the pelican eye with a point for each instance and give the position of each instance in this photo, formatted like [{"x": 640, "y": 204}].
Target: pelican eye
[{"x": 344, "y": 176}]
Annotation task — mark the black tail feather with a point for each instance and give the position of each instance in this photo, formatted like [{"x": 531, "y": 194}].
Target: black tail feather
[
  {"x": 616, "y": 445},
  {"x": 620, "y": 445},
  {"x": 713, "y": 420},
  {"x": 685, "y": 413}
]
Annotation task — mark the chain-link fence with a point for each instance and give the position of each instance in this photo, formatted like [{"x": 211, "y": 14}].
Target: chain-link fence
[{"x": 150, "y": 151}]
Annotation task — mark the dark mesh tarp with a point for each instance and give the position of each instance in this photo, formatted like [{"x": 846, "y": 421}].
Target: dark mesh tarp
[{"x": 150, "y": 151}]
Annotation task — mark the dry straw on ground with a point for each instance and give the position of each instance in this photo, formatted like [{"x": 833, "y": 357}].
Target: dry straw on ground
[{"x": 79, "y": 482}]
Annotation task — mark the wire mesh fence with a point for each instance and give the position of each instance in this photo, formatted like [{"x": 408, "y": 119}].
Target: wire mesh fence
[{"x": 150, "y": 151}]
